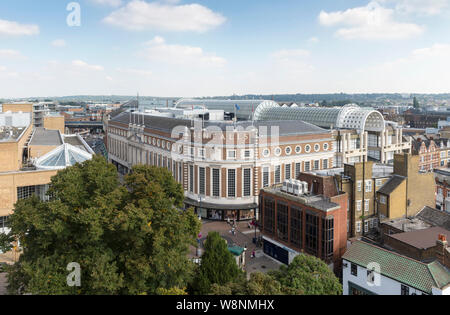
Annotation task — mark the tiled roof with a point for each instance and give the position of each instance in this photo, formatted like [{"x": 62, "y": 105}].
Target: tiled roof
[
  {"x": 403, "y": 269},
  {"x": 435, "y": 217},
  {"x": 391, "y": 184}
]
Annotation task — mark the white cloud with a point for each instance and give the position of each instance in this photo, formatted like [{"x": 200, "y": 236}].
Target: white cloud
[
  {"x": 292, "y": 61},
  {"x": 11, "y": 28},
  {"x": 370, "y": 22},
  {"x": 158, "y": 50},
  {"x": 111, "y": 3},
  {"x": 424, "y": 70},
  {"x": 139, "y": 15},
  {"x": 134, "y": 71},
  {"x": 83, "y": 65},
  {"x": 313, "y": 40},
  {"x": 425, "y": 7},
  {"x": 59, "y": 43},
  {"x": 9, "y": 53}
]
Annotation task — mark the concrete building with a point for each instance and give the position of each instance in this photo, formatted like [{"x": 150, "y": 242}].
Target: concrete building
[
  {"x": 221, "y": 164},
  {"x": 372, "y": 270},
  {"x": 297, "y": 220}
]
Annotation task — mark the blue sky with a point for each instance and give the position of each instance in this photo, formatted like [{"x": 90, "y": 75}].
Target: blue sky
[{"x": 220, "y": 47}]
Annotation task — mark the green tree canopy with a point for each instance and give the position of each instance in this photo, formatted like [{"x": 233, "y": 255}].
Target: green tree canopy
[
  {"x": 258, "y": 284},
  {"x": 218, "y": 265},
  {"x": 128, "y": 239},
  {"x": 307, "y": 275}
]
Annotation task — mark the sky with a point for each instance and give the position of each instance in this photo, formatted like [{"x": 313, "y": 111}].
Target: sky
[{"x": 183, "y": 48}]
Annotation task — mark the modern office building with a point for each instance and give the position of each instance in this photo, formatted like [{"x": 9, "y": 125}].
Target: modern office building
[
  {"x": 221, "y": 164},
  {"x": 295, "y": 220}
]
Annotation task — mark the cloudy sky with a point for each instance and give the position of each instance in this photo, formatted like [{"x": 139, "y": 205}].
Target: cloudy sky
[{"x": 223, "y": 47}]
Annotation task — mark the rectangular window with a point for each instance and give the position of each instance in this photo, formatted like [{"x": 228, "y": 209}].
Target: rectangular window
[
  {"x": 247, "y": 182},
  {"x": 358, "y": 205},
  {"x": 368, "y": 185},
  {"x": 366, "y": 226},
  {"x": 307, "y": 166},
  {"x": 366, "y": 205},
  {"x": 231, "y": 154},
  {"x": 358, "y": 185},
  {"x": 201, "y": 153},
  {"x": 25, "y": 192},
  {"x": 378, "y": 182},
  {"x": 282, "y": 221},
  {"x": 288, "y": 171},
  {"x": 3, "y": 222},
  {"x": 296, "y": 226},
  {"x": 311, "y": 233},
  {"x": 298, "y": 169},
  {"x": 327, "y": 238},
  {"x": 231, "y": 183},
  {"x": 354, "y": 270},
  {"x": 383, "y": 200},
  {"x": 266, "y": 177},
  {"x": 202, "y": 181},
  {"x": 191, "y": 178},
  {"x": 358, "y": 227},
  {"x": 277, "y": 174},
  {"x": 269, "y": 215},
  {"x": 247, "y": 154},
  {"x": 216, "y": 182},
  {"x": 316, "y": 165},
  {"x": 325, "y": 164}
]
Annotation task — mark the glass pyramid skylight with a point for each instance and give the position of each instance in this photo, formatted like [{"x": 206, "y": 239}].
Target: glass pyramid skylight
[{"x": 63, "y": 156}]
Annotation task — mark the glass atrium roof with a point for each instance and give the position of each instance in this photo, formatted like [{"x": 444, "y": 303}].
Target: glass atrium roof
[
  {"x": 350, "y": 116},
  {"x": 63, "y": 156}
]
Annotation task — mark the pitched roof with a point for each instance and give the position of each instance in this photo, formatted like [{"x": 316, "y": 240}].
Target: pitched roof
[
  {"x": 391, "y": 184},
  {"x": 435, "y": 217},
  {"x": 403, "y": 269},
  {"x": 165, "y": 124}
]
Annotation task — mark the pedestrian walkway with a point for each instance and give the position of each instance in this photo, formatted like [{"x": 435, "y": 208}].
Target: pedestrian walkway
[{"x": 3, "y": 284}]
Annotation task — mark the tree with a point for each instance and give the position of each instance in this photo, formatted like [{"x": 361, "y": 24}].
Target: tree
[
  {"x": 218, "y": 266},
  {"x": 258, "y": 284},
  {"x": 127, "y": 239},
  {"x": 307, "y": 275}
]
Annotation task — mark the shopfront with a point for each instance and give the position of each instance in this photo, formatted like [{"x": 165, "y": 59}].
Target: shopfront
[{"x": 213, "y": 212}]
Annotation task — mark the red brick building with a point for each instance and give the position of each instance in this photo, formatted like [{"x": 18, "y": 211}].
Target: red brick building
[
  {"x": 310, "y": 223},
  {"x": 434, "y": 153}
]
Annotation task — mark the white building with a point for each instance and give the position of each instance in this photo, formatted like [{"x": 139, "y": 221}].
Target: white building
[{"x": 371, "y": 270}]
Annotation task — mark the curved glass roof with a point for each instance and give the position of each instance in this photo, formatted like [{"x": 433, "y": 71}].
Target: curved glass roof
[
  {"x": 63, "y": 156},
  {"x": 350, "y": 116},
  {"x": 245, "y": 111}
]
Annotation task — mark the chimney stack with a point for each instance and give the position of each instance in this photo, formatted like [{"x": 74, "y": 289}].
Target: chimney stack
[{"x": 442, "y": 253}]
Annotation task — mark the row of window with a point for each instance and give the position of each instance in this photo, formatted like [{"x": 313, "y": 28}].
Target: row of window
[
  {"x": 290, "y": 173},
  {"x": 215, "y": 184},
  {"x": 298, "y": 150}
]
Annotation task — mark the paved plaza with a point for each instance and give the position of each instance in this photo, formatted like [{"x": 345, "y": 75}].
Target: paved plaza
[{"x": 242, "y": 237}]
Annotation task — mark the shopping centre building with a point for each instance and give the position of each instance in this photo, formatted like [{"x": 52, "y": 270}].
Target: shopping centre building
[{"x": 222, "y": 162}]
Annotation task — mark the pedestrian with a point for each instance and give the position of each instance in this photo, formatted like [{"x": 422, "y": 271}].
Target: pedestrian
[{"x": 253, "y": 254}]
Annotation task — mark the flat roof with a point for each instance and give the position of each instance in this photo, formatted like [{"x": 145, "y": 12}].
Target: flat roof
[
  {"x": 11, "y": 134},
  {"x": 43, "y": 136},
  {"x": 422, "y": 239},
  {"x": 319, "y": 202},
  {"x": 408, "y": 224}
]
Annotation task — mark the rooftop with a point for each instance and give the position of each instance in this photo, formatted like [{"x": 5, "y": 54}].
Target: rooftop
[
  {"x": 10, "y": 134},
  {"x": 435, "y": 217},
  {"x": 403, "y": 269},
  {"x": 165, "y": 124},
  {"x": 408, "y": 224},
  {"x": 46, "y": 137},
  {"x": 315, "y": 201},
  {"x": 421, "y": 239},
  {"x": 391, "y": 184}
]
